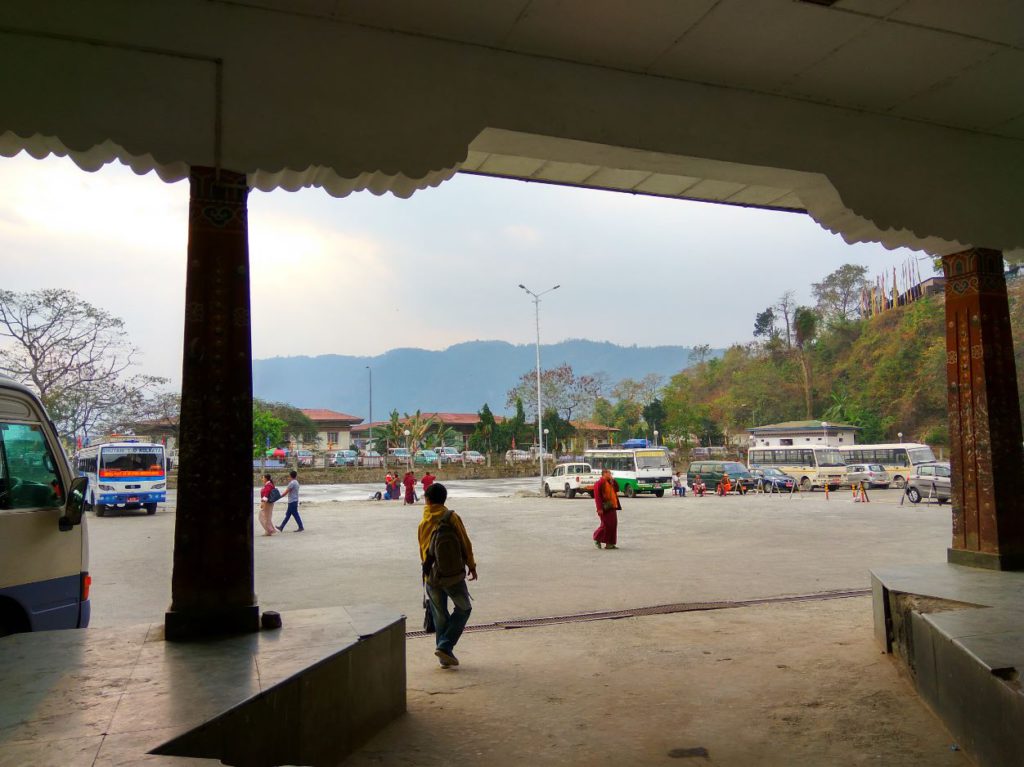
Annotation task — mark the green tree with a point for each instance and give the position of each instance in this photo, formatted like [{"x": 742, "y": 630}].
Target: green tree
[
  {"x": 764, "y": 324},
  {"x": 805, "y": 328},
  {"x": 654, "y": 416},
  {"x": 267, "y": 429},
  {"x": 297, "y": 424},
  {"x": 838, "y": 294},
  {"x": 486, "y": 431}
]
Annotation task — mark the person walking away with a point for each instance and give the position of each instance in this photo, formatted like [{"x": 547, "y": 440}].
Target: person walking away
[
  {"x": 446, "y": 554},
  {"x": 292, "y": 491},
  {"x": 267, "y": 506},
  {"x": 409, "y": 480},
  {"x": 606, "y": 498}
]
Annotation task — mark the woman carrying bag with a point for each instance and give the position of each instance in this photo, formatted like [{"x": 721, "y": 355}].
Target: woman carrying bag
[{"x": 606, "y": 498}]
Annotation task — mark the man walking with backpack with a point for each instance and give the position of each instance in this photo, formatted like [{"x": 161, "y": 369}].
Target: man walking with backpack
[{"x": 446, "y": 553}]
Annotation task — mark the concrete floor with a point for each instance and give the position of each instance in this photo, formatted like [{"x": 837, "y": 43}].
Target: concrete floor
[{"x": 786, "y": 684}]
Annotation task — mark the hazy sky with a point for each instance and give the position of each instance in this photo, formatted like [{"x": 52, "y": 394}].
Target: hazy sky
[{"x": 365, "y": 274}]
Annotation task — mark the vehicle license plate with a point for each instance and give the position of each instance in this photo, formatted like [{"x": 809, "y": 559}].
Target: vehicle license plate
[{"x": 133, "y": 499}]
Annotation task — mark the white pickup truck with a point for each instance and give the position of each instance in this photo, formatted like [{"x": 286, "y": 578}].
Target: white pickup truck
[{"x": 570, "y": 479}]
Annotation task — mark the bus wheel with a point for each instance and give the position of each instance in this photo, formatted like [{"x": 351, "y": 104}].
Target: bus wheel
[
  {"x": 630, "y": 491},
  {"x": 151, "y": 508},
  {"x": 899, "y": 482},
  {"x": 659, "y": 492},
  {"x": 12, "y": 619},
  {"x": 101, "y": 509},
  {"x": 805, "y": 484}
]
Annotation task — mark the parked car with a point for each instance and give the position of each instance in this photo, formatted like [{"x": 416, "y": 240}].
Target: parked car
[
  {"x": 304, "y": 457},
  {"x": 518, "y": 456},
  {"x": 773, "y": 479},
  {"x": 473, "y": 456},
  {"x": 370, "y": 458},
  {"x": 344, "y": 458},
  {"x": 449, "y": 454},
  {"x": 425, "y": 457},
  {"x": 570, "y": 479},
  {"x": 399, "y": 454},
  {"x": 711, "y": 473},
  {"x": 929, "y": 480},
  {"x": 871, "y": 474}
]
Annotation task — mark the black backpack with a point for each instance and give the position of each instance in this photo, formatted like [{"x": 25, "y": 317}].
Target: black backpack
[{"x": 445, "y": 557}]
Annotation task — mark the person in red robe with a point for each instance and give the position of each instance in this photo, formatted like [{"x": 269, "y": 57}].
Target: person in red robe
[
  {"x": 409, "y": 480},
  {"x": 606, "y": 498},
  {"x": 428, "y": 480}
]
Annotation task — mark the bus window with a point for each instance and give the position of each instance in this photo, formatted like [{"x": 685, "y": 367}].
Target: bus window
[{"x": 28, "y": 474}]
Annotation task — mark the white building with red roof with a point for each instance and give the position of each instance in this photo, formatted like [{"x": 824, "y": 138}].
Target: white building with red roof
[{"x": 333, "y": 429}]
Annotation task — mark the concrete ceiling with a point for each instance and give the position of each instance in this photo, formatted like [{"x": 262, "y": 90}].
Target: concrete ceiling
[
  {"x": 955, "y": 63},
  {"x": 894, "y": 121}
]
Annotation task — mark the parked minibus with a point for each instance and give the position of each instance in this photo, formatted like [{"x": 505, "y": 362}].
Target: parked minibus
[
  {"x": 897, "y": 458},
  {"x": 44, "y": 551}
]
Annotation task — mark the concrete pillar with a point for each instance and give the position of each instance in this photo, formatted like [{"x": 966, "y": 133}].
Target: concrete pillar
[
  {"x": 984, "y": 414},
  {"x": 212, "y": 585}
]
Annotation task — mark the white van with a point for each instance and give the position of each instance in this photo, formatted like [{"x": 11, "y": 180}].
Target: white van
[{"x": 44, "y": 550}]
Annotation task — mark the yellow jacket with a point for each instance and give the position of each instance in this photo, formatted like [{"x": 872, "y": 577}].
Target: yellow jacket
[{"x": 431, "y": 516}]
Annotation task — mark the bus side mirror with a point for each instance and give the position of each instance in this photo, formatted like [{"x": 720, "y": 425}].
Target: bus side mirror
[{"x": 74, "y": 505}]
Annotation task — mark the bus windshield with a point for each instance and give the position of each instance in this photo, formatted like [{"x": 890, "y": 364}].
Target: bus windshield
[
  {"x": 921, "y": 455},
  {"x": 652, "y": 459},
  {"x": 131, "y": 462},
  {"x": 830, "y": 458}
]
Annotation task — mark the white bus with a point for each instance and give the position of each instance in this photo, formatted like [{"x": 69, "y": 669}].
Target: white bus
[
  {"x": 124, "y": 475},
  {"x": 811, "y": 466},
  {"x": 44, "y": 551},
  {"x": 897, "y": 458},
  {"x": 636, "y": 470}
]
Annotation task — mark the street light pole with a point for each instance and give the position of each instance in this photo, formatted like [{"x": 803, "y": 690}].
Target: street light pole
[
  {"x": 407, "y": 450},
  {"x": 369, "y": 441},
  {"x": 540, "y": 429}
]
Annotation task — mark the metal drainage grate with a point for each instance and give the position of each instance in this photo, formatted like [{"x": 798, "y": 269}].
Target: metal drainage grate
[{"x": 636, "y": 612}]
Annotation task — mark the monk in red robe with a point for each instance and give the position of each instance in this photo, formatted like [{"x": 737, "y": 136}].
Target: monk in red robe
[
  {"x": 606, "y": 498},
  {"x": 409, "y": 480}
]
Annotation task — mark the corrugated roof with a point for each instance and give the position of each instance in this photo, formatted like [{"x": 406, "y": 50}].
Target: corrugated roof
[
  {"x": 323, "y": 414},
  {"x": 802, "y": 426}
]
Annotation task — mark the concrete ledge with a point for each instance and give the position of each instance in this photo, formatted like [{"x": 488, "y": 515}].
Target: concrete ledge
[
  {"x": 960, "y": 633},
  {"x": 306, "y": 693}
]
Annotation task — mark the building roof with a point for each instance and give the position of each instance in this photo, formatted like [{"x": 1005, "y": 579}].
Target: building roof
[
  {"x": 448, "y": 419},
  {"x": 802, "y": 426},
  {"x": 590, "y": 426},
  {"x": 318, "y": 415}
]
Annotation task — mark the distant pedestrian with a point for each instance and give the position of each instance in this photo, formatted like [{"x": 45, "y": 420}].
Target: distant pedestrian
[
  {"x": 677, "y": 484},
  {"x": 267, "y": 506},
  {"x": 606, "y": 498},
  {"x": 292, "y": 492},
  {"x": 446, "y": 553},
  {"x": 409, "y": 480},
  {"x": 427, "y": 481}
]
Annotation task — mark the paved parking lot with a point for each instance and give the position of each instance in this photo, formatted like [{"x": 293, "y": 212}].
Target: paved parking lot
[
  {"x": 536, "y": 556},
  {"x": 775, "y": 684}
]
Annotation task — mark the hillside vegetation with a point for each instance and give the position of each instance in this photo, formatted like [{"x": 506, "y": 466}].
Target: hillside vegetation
[{"x": 886, "y": 374}]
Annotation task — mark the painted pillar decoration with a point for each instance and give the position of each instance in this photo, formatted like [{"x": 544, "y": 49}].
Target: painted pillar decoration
[
  {"x": 987, "y": 456},
  {"x": 212, "y": 585}
]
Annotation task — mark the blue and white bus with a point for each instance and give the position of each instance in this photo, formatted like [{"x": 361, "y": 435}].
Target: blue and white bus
[
  {"x": 44, "y": 550},
  {"x": 126, "y": 474}
]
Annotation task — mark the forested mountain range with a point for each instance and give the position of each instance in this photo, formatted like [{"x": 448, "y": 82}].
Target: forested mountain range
[{"x": 460, "y": 378}]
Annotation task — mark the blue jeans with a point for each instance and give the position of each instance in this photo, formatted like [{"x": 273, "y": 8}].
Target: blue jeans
[
  {"x": 293, "y": 511},
  {"x": 449, "y": 627}
]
